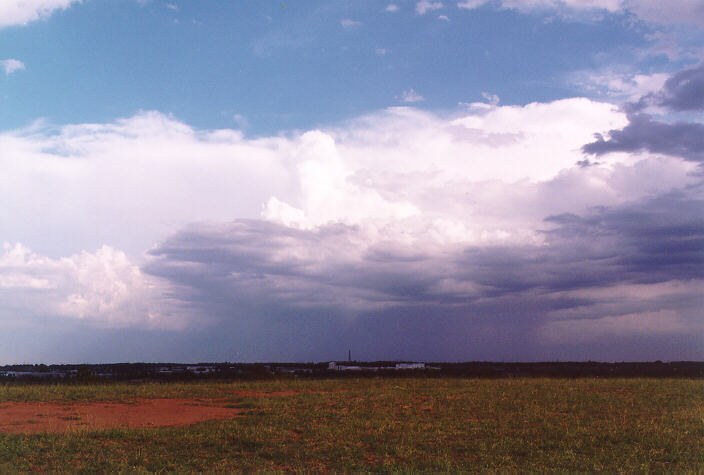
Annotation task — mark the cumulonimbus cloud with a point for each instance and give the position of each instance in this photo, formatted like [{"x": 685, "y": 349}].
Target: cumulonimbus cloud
[
  {"x": 604, "y": 247},
  {"x": 394, "y": 214},
  {"x": 598, "y": 276}
]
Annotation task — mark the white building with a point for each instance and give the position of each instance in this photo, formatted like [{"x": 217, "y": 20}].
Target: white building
[
  {"x": 410, "y": 365},
  {"x": 339, "y": 367}
]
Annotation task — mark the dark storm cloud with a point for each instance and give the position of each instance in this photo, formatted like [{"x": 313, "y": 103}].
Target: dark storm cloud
[
  {"x": 653, "y": 240},
  {"x": 317, "y": 287},
  {"x": 291, "y": 264},
  {"x": 681, "y": 139},
  {"x": 683, "y": 92}
]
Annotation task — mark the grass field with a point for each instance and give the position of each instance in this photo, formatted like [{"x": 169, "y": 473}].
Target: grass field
[{"x": 386, "y": 424}]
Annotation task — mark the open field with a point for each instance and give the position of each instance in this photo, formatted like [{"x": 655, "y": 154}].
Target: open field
[{"x": 369, "y": 424}]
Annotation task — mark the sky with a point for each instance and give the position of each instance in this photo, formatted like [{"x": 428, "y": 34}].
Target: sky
[{"x": 506, "y": 180}]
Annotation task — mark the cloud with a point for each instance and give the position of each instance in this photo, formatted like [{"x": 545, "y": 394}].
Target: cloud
[
  {"x": 102, "y": 288},
  {"x": 11, "y": 65},
  {"x": 339, "y": 265},
  {"x": 443, "y": 234},
  {"x": 347, "y": 23},
  {"x": 683, "y": 92},
  {"x": 493, "y": 99},
  {"x": 618, "y": 86},
  {"x": 532, "y": 5},
  {"x": 240, "y": 120},
  {"x": 424, "y": 6},
  {"x": 471, "y": 4},
  {"x": 602, "y": 275},
  {"x": 85, "y": 184},
  {"x": 646, "y": 323},
  {"x": 495, "y": 155},
  {"x": 508, "y": 258},
  {"x": 391, "y": 7},
  {"x": 658, "y": 244},
  {"x": 682, "y": 139},
  {"x": 676, "y": 12},
  {"x": 20, "y": 12},
  {"x": 410, "y": 96}
]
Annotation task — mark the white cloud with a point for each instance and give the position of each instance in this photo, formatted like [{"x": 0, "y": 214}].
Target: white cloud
[
  {"x": 410, "y": 96},
  {"x": 85, "y": 184},
  {"x": 20, "y": 12},
  {"x": 240, "y": 120},
  {"x": 103, "y": 288},
  {"x": 382, "y": 51},
  {"x": 618, "y": 86},
  {"x": 471, "y": 4},
  {"x": 529, "y": 5},
  {"x": 443, "y": 18},
  {"x": 673, "y": 11},
  {"x": 391, "y": 7},
  {"x": 493, "y": 99},
  {"x": 424, "y": 6},
  {"x": 506, "y": 161},
  {"x": 347, "y": 23},
  {"x": 609, "y": 5},
  {"x": 654, "y": 11},
  {"x": 327, "y": 193},
  {"x": 675, "y": 43},
  {"x": 11, "y": 65}
]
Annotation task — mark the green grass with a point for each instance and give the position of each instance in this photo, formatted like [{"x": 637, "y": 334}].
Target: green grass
[{"x": 389, "y": 425}]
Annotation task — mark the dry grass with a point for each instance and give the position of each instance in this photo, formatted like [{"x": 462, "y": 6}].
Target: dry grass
[{"x": 389, "y": 425}]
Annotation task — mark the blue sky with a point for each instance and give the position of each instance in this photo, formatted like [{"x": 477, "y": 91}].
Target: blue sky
[
  {"x": 432, "y": 180},
  {"x": 292, "y": 66}
]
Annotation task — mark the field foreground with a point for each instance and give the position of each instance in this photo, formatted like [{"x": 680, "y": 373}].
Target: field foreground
[{"x": 357, "y": 424}]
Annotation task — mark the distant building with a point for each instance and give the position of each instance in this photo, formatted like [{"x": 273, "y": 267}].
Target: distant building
[
  {"x": 335, "y": 366},
  {"x": 410, "y": 365},
  {"x": 341, "y": 367},
  {"x": 201, "y": 369}
]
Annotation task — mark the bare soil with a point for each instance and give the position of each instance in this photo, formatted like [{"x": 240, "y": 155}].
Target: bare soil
[{"x": 32, "y": 417}]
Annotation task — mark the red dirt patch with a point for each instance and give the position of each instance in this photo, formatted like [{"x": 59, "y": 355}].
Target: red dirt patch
[{"x": 32, "y": 417}]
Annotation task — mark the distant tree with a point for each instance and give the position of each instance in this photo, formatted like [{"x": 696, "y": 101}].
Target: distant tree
[{"x": 84, "y": 373}]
